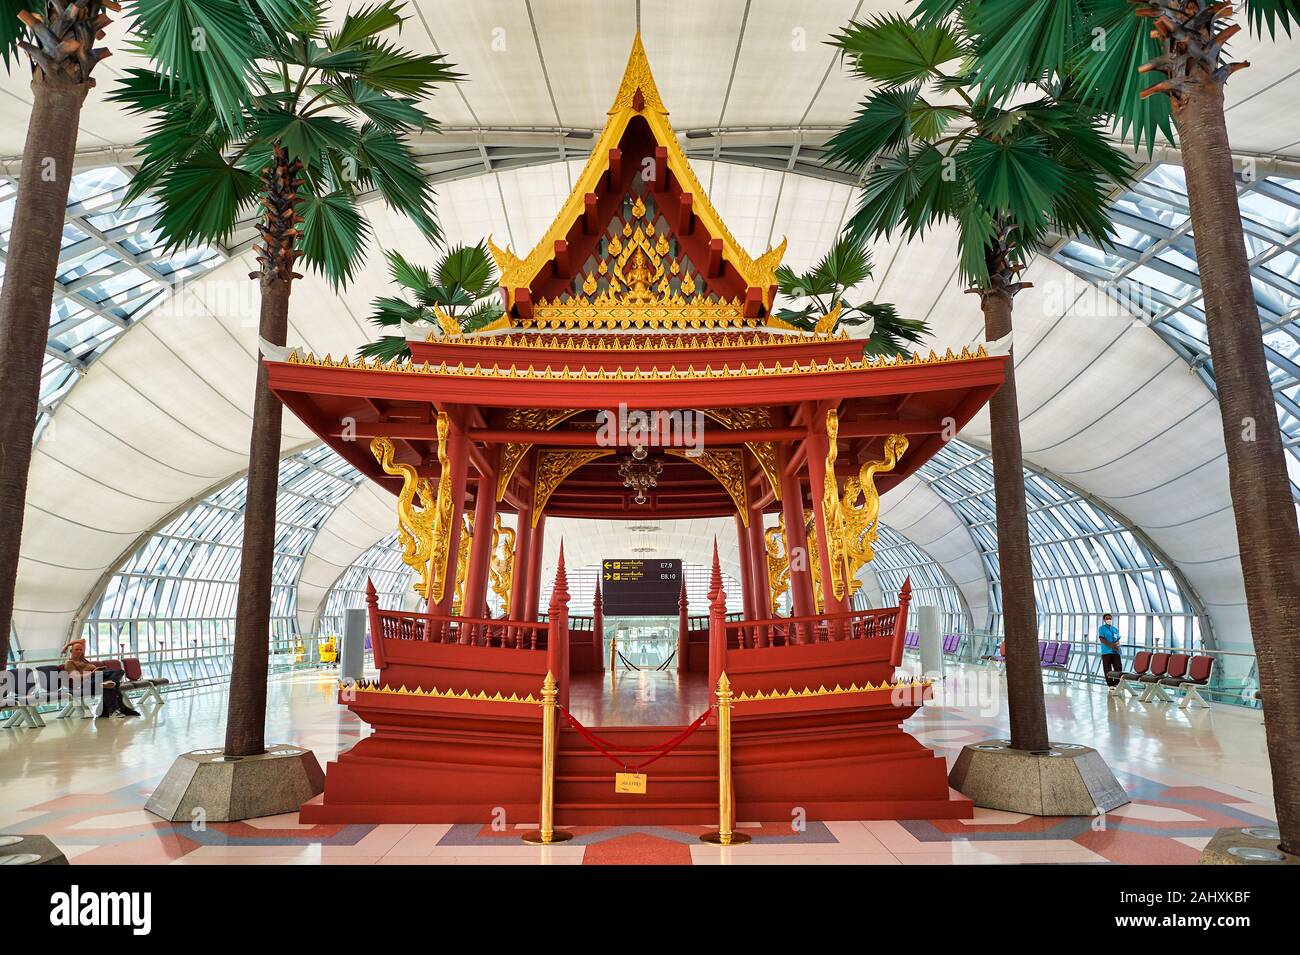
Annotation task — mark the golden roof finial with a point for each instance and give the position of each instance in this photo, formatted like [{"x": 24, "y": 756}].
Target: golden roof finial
[{"x": 638, "y": 78}]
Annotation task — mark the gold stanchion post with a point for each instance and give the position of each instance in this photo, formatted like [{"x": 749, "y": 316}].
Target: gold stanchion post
[
  {"x": 547, "y": 834},
  {"x": 725, "y": 836}
]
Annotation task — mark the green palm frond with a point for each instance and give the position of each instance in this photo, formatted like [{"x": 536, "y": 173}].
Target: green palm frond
[
  {"x": 365, "y": 24},
  {"x": 386, "y": 349},
  {"x": 1099, "y": 43},
  {"x": 1024, "y": 41},
  {"x": 882, "y": 123},
  {"x": 334, "y": 235},
  {"x": 893, "y": 52},
  {"x": 815, "y": 293},
  {"x": 468, "y": 267},
  {"x": 12, "y": 30},
  {"x": 1108, "y": 73},
  {"x": 1272, "y": 15},
  {"x": 208, "y": 44},
  {"x": 952, "y": 144},
  {"x": 463, "y": 284},
  {"x": 343, "y": 104}
]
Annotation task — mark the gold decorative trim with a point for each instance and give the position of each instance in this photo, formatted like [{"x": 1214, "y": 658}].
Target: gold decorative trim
[
  {"x": 553, "y": 467},
  {"x": 764, "y": 452},
  {"x": 501, "y": 565},
  {"x": 728, "y": 467},
  {"x": 520, "y": 419},
  {"x": 651, "y": 340},
  {"x": 831, "y": 515},
  {"x": 708, "y": 370},
  {"x": 637, "y": 89},
  {"x": 462, "y": 566},
  {"x": 815, "y": 563},
  {"x": 449, "y": 694},
  {"x": 448, "y": 324},
  {"x": 575, "y": 313},
  {"x": 838, "y": 690},
  {"x": 861, "y": 523},
  {"x": 421, "y": 530},
  {"x": 778, "y": 563}
]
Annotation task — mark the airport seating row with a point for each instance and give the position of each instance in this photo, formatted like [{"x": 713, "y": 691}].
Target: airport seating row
[
  {"x": 25, "y": 690},
  {"x": 951, "y": 642},
  {"x": 1153, "y": 673}
]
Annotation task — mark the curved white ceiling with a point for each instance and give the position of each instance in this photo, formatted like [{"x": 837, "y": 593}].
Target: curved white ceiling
[
  {"x": 164, "y": 416},
  {"x": 728, "y": 63}
]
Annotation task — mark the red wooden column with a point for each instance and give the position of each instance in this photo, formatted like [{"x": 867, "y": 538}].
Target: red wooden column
[
  {"x": 801, "y": 589},
  {"x": 480, "y": 548},
  {"x": 598, "y": 628},
  {"x": 557, "y": 639},
  {"x": 818, "y": 445},
  {"x": 458, "y": 469},
  {"x": 533, "y": 587},
  {"x": 683, "y": 632},
  {"x": 746, "y": 569},
  {"x": 717, "y": 625}
]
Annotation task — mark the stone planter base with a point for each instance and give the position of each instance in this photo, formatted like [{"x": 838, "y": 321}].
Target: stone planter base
[
  {"x": 1244, "y": 845},
  {"x": 206, "y": 785},
  {"x": 1066, "y": 780},
  {"x": 18, "y": 849}
]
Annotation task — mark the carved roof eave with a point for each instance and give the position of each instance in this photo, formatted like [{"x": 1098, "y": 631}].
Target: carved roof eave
[{"x": 519, "y": 273}]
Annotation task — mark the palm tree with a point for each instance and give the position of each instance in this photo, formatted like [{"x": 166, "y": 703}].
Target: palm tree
[
  {"x": 462, "y": 296},
  {"x": 58, "y": 40},
  {"x": 936, "y": 149},
  {"x": 1156, "y": 67},
  {"x": 323, "y": 119},
  {"x": 821, "y": 291}
]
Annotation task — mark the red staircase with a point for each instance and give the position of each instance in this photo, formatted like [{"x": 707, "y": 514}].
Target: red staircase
[{"x": 681, "y": 788}]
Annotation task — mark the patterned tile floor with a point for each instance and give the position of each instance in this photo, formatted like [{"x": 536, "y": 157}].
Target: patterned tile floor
[{"x": 1189, "y": 772}]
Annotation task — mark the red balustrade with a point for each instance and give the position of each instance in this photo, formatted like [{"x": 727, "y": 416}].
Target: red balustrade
[
  {"x": 466, "y": 631},
  {"x": 819, "y": 628}
]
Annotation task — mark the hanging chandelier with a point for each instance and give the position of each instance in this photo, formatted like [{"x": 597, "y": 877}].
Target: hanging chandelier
[{"x": 640, "y": 474}]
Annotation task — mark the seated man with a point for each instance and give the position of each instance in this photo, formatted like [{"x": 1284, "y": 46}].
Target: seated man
[{"x": 82, "y": 669}]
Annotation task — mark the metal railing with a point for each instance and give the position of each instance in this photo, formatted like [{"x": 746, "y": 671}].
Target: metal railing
[{"x": 1234, "y": 681}]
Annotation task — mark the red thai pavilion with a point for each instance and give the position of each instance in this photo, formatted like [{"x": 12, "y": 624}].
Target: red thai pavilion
[{"x": 637, "y": 299}]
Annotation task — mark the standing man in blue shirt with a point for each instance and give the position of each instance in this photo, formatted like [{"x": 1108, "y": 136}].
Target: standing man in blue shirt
[{"x": 1112, "y": 664}]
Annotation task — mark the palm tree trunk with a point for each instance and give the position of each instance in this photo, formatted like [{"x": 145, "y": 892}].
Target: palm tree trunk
[
  {"x": 1267, "y": 533},
  {"x": 31, "y": 264},
  {"x": 1019, "y": 613},
  {"x": 246, "y": 713}
]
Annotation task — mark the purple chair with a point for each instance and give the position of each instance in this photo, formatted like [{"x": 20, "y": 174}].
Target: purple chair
[{"x": 1059, "y": 662}]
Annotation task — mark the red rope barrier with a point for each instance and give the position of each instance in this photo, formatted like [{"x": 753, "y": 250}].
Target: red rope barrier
[{"x": 604, "y": 746}]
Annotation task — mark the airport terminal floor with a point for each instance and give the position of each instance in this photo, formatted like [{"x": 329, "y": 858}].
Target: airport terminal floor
[{"x": 1188, "y": 773}]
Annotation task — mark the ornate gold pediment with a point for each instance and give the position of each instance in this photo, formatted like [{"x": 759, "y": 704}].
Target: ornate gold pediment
[
  {"x": 525, "y": 419},
  {"x": 728, "y": 466},
  {"x": 553, "y": 466}
]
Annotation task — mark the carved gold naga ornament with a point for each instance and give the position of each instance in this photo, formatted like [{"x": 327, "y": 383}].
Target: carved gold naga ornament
[
  {"x": 862, "y": 522},
  {"x": 854, "y": 528},
  {"x": 423, "y": 527},
  {"x": 462, "y": 565},
  {"x": 502, "y": 565},
  {"x": 836, "y": 549},
  {"x": 815, "y": 564},
  {"x": 778, "y": 563}
]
